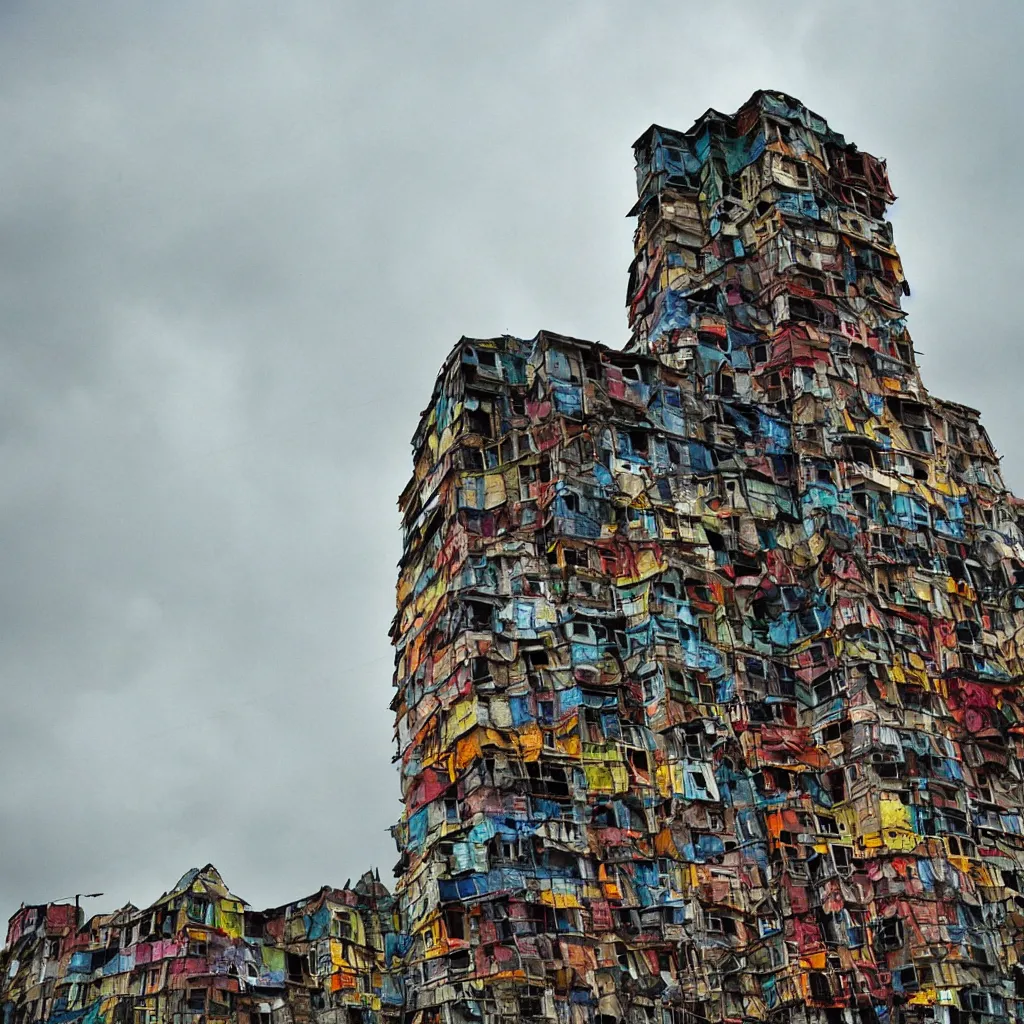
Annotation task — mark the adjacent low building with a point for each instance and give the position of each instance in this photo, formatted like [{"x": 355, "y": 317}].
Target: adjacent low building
[{"x": 200, "y": 954}]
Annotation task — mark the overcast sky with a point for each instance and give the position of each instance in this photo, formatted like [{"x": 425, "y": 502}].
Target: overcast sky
[{"x": 237, "y": 239}]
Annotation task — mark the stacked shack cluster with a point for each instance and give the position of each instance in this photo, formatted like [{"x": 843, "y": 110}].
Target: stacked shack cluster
[
  {"x": 708, "y": 664},
  {"x": 200, "y": 955},
  {"x": 708, "y": 702}
]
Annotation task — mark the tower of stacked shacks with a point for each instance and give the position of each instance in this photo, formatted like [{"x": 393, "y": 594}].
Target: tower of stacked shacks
[{"x": 708, "y": 675}]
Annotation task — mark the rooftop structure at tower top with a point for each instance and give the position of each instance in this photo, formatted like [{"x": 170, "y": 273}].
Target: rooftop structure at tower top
[{"x": 727, "y": 206}]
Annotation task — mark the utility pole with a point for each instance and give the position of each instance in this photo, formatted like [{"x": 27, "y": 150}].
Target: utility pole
[{"x": 85, "y": 896}]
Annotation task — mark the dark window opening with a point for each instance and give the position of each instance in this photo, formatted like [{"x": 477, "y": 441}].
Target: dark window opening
[
  {"x": 479, "y": 422},
  {"x": 460, "y": 961},
  {"x": 479, "y": 615},
  {"x": 455, "y": 923}
]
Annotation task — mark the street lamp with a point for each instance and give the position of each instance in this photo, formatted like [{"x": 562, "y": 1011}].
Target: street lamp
[{"x": 80, "y": 896}]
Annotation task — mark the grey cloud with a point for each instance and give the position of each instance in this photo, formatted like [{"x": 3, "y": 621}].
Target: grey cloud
[{"x": 236, "y": 241}]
